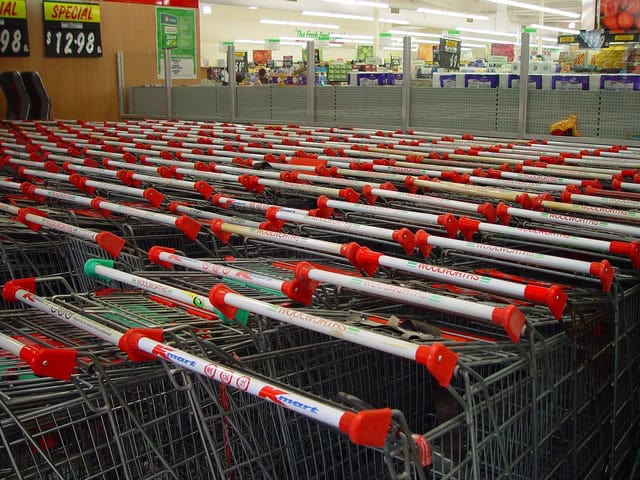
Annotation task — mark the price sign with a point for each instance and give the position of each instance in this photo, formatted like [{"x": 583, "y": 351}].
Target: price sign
[
  {"x": 72, "y": 29},
  {"x": 242, "y": 63},
  {"x": 449, "y": 53},
  {"x": 14, "y": 38}
]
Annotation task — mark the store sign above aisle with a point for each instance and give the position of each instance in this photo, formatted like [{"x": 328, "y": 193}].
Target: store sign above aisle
[
  {"x": 384, "y": 40},
  {"x": 312, "y": 35},
  {"x": 223, "y": 47},
  {"x": 72, "y": 29},
  {"x": 14, "y": 36},
  {"x": 273, "y": 44}
]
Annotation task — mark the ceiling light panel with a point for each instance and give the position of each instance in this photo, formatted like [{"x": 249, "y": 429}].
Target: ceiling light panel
[
  {"x": 487, "y": 32},
  {"x": 414, "y": 34},
  {"x": 346, "y": 35},
  {"x": 328, "y": 26},
  {"x": 397, "y": 21},
  {"x": 554, "y": 29},
  {"x": 448, "y": 13},
  {"x": 537, "y": 8},
  {"x": 359, "y": 3},
  {"x": 345, "y": 16}
]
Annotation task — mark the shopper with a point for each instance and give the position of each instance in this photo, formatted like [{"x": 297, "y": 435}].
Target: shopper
[
  {"x": 239, "y": 78},
  {"x": 262, "y": 76}
]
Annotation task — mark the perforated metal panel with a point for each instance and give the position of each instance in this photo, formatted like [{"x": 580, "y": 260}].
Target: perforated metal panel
[
  {"x": 325, "y": 110},
  {"x": 457, "y": 108},
  {"x": 289, "y": 104},
  {"x": 194, "y": 102},
  {"x": 254, "y": 103},
  {"x": 600, "y": 113},
  {"x": 223, "y": 110},
  {"x": 549, "y": 106},
  {"x": 508, "y": 108},
  {"x": 619, "y": 114},
  {"x": 147, "y": 101},
  {"x": 419, "y": 106},
  {"x": 368, "y": 106}
]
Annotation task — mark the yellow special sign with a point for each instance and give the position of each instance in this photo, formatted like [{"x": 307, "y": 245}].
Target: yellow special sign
[
  {"x": 71, "y": 12},
  {"x": 13, "y": 9}
]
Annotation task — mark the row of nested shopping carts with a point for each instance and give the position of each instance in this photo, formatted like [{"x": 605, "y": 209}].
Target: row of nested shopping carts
[{"x": 195, "y": 300}]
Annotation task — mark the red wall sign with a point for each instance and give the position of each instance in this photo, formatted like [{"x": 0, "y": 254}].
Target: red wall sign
[
  {"x": 162, "y": 3},
  {"x": 503, "y": 50}
]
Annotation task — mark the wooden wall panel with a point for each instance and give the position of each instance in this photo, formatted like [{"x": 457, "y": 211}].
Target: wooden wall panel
[{"x": 86, "y": 88}]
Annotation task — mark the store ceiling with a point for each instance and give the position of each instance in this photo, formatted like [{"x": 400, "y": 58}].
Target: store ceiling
[{"x": 516, "y": 15}]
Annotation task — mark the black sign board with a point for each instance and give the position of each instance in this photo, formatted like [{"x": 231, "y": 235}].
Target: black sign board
[
  {"x": 72, "y": 29},
  {"x": 14, "y": 35},
  {"x": 627, "y": 37},
  {"x": 242, "y": 63},
  {"x": 598, "y": 38},
  {"x": 449, "y": 53}
]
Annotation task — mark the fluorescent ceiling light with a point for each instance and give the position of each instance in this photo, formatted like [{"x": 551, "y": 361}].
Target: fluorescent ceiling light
[
  {"x": 345, "y": 35},
  {"x": 328, "y": 26},
  {"x": 414, "y": 34},
  {"x": 300, "y": 40},
  {"x": 397, "y": 21},
  {"x": 359, "y": 3},
  {"x": 354, "y": 41},
  {"x": 206, "y": 10},
  {"x": 241, "y": 40},
  {"x": 537, "y": 8},
  {"x": 488, "y": 40},
  {"x": 448, "y": 13},
  {"x": 399, "y": 40},
  {"x": 488, "y": 32},
  {"x": 554, "y": 29},
  {"x": 253, "y": 7},
  {"x": 346, "y": 16},
  {"x": 474, "y": 45},
  {"x": 548, "y": 39}
]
